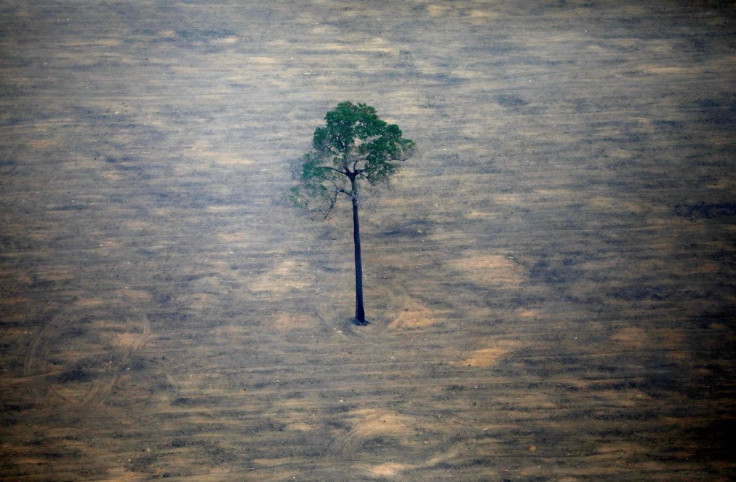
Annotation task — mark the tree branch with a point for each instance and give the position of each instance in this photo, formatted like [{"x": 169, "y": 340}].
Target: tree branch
[{"x": 333, "y": 169}]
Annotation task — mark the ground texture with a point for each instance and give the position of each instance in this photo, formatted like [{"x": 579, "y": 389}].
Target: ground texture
[{"x": 551, "y": 279}]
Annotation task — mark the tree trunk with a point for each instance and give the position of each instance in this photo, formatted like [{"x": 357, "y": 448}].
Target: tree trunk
[{"x": 359, "y": 310}]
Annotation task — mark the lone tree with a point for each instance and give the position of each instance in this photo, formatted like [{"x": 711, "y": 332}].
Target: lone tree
[{"x": 353, "y": 146}]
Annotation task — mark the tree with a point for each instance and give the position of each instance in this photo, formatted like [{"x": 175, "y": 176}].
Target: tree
[{"x": 354, "y": 145}]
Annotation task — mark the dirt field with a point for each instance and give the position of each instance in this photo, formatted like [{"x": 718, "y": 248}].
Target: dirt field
[{"x": 551, "y": 279}]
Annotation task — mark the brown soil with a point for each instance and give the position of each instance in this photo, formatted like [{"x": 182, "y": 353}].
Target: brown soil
[{"x": 550, "y": 280}]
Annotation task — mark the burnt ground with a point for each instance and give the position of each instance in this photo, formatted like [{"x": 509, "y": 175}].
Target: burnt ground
[{"x": 551, "y": 279}]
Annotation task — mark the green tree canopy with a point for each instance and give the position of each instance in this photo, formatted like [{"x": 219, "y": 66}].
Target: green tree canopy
[{"x": 355, "y": 144}]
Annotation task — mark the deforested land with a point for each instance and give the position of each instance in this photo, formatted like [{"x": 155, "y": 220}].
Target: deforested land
[{"x": 550, "y": 279}]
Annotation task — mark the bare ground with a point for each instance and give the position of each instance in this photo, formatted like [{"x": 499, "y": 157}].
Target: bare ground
[{"x": 551, "y": 280}]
